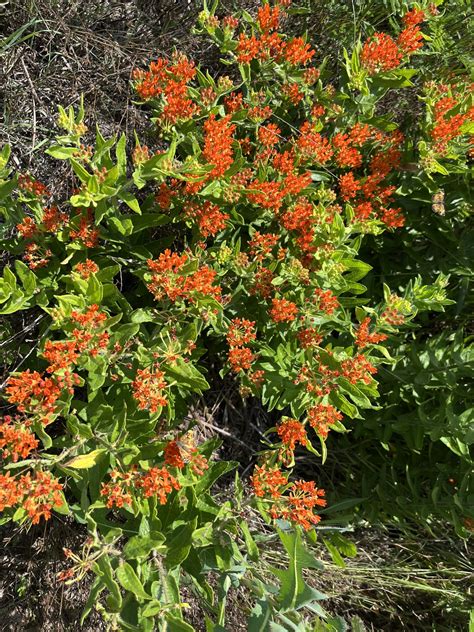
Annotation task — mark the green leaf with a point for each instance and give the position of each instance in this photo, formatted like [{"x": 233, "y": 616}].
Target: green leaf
[
  {"x": 260, "y": 616},
  {"x": 180, "y": 544},
  {"x": 128, "y": 579},
  {"x": 186, "y": 374},
  {"x": 178, "y": 625},
  {"x": 86, "y": 461},
  {"x": 63, "y": 153},
  {"x": 130, "y": 200},
  {"x": 141, "y": 546},
  {"x": 107, "y": 576}
]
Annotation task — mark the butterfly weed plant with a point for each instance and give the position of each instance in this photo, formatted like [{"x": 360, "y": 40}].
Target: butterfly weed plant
[{"x": 237, "y": 243}]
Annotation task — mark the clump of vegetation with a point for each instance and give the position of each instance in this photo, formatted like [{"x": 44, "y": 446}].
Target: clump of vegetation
[{"x": 235, "y": 249}]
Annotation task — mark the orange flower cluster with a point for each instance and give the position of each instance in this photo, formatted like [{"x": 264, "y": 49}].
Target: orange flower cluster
[
  {"x": 240, "y": 333},
  {"x": 86, "y": 232},
  {"x": 447, "y": 126},
  {"x": 268, "y": 195},
  {"x": 209, "y": 217},
  {"x": 370, "y": 197},
  {"x": 364, "y": 338},
  {"x": 300, "y": 504},
  {"x": 218, "y": 136},
  {"x": 300, "y": 218},
  {"x": 291, "y": 432},
  {"x": 293, "y": 93},
  {"x": 297, "y": 52},
  {"x": 268, "y": 18},
  {"x": 16, "y": 439},
  {"x": 53, "y": 219},
  {"x": 60, "y": 354},
  {"x": 271, "y": 45},
  {"x": 411, "y": 38},
  {"x": 29, "y": 184},
  {"x": 86, "y": 269},
  {"x": 380, "y": 53},
  {"x": 182, "y": 451},
  {"x": 358, "y": 369},
  {"x": 122, "y": 488},
  {"x": 157, "y": 482},
  {"x": 283, "y": 310},
  {"x": 262, "y": 284},
  {"x": 148, "y": 388},
  {"x": 261, "y": 245},
  {"x": 36, "y": 256},
  {"x": 326, "y": 301},
  {"x": 27, "y": 228},
  {"x": 321, "y": 417},
  {"x": 248, "y": 48},
  {"x": 37, "y": 495},
  {"x": 312, "y": 146},
  {"x": 169, "y": 81},
  {"x": 168, "y": 281},
  {"x": 268, "y": 481},
  {"x": 88, "y": 337},
  {"x": 269, "y": 135},
  {"x": 309, "y": 338},
  {"x": 36, "y": 395},
  {"x": 241, "y": 359}
]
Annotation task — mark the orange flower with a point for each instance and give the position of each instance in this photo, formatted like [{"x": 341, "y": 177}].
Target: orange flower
[
  {"x": 240, "y": 358},
  {"x": 283, "y": 310},
  {"x": 53, "y": 219},
  {"x": 303, "y": 498},
  {"x": 364, "y": 338},
  {"x": 86, "y": 268},
  {"x": 358, "y": 369},
  {"x": 157, "y": 482},
  {"x": 380, "y": 53},
  {"x": 42, "y": 493},
  {"x": 148, "y": 388},
  {"x": 349, "y": 186},
  {"x": 16, "y": 439},
  {"x": 241, "y": 332},
  {"x": 268, "y": 18},
  {"x": 210, "y": 218},
  {"x": 261, "y": 245},
  {"x": 118, "y": 491},
  {"x": 268, "y": 481},
  {"x": 218, "y": 136},
  {"x": 309, "y": 338},
  {"x": 291, "y": 432},
  {"x": 326, "y": 301},
  {"x": 269, "y": 135},
  {"x": 85, "y": 232},
  {"x": 248, "y": 48},
  {"x": 27, "y": 228},
  {"x": 173, "y": 455},
  {"x": 297, "y": 52},
  {"x": 37, "y": 495},
  {"x": 313, "y": 146},
  {"x": 34, "y": 394},
  {"x": 321, "y": 416},
  {"x": 262, "y": 284},
  {"x": 27, "y": 183}
]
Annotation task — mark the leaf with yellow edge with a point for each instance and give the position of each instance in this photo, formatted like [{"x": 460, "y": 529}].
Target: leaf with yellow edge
[{"x": 85, "y": 461}]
